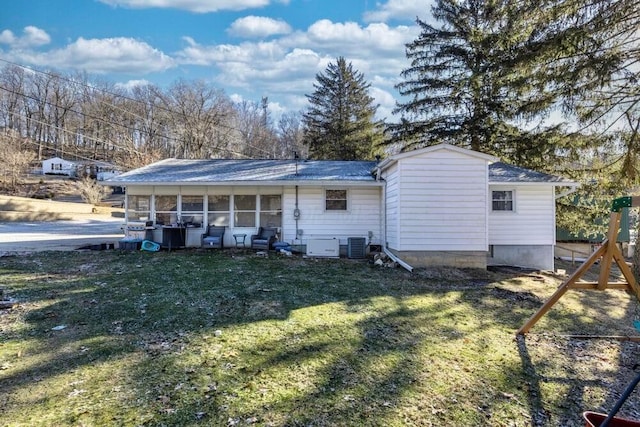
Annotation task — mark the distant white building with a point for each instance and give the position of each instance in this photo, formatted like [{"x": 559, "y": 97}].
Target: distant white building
[
  {"x": 93, "y": 168},
  {"x": 97, "y": 169},
  {"x": 59, "y": 166}
]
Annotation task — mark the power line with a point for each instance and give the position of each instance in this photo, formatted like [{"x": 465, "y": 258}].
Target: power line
[
  {"x": 90, "y": 138},
  {"x": 118, "y": 95},
  {"x": 127, "y": 149},
  {"x": 81, "y": 113}
]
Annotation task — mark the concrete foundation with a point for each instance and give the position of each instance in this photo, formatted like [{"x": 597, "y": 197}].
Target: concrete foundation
[
  {"x": 458, "y": 259},
  {"x": 539, "y": 257}
]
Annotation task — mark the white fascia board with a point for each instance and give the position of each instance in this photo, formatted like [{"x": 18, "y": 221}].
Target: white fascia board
[{"x": 318, "y": 183}]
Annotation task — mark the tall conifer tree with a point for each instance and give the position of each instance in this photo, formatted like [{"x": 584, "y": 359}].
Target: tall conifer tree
[
  {"x": 493, "y": 71},
  {"x": 340, "y": 122}
]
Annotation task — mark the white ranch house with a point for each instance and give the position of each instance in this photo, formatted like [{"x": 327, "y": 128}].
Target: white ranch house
[
  {"x": 440, "y": 205},
  {"x": 59, "y": 166}
]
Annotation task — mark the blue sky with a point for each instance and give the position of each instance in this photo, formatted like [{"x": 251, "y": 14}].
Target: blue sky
[{"x": 248, "y": 48}]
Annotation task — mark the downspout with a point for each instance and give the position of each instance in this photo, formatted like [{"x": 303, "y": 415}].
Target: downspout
[
  {"x": 398, "y": 260},
  {"x": 296, "y": 210}
]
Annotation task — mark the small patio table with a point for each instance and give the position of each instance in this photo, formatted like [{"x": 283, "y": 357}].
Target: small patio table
[{"x": 240, "y": 240}]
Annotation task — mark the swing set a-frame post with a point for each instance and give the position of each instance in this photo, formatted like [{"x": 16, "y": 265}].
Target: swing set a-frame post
[{"x": 607, "y": 253}]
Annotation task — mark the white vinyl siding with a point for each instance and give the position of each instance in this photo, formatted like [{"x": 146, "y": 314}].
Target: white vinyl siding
[
  {"x": 442, "y": 205},
  {"x": 533, "y": 221},
  {"x": 59, "y": 166},
  {"x": 362, "y": 217},
  {"x": 391, "y": 208}
]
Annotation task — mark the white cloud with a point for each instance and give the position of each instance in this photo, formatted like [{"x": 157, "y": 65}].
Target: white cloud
[
  {"x": 351, "y": 37},
  {"x": 197, "y": 6},
  {"x": 400, "y": 9},
  {"x": 131, "y": 84},
  {"x": 31, "y": 37},
  {"x": 236, "y": 98},
  {"x": 7, "y": 37},
  {"x": 276, "y": 110},
  {"x": 100, "y": 56},
  {"x": 258, "y": 26},
  {"x": 284, "y": 68},
  {"x": 385, "y": 100}
]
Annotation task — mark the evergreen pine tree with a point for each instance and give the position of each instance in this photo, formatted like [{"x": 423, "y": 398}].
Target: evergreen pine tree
[
  {"x": 465, "y": 84},
  {"x": 491, "y": 74},
  {"x": 340, "y": 121}
]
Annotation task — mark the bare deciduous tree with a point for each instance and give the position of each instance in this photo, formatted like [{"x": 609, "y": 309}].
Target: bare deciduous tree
[{"x": 15, "y": 159}]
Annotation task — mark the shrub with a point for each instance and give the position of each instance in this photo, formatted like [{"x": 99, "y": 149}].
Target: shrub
[{"x": 90, "y": 190}]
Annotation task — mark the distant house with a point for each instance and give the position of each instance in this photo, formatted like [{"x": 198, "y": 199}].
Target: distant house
[
  {"x": 59, "y": 166},
  {"x": 97, "y": 169},
  {"x": 440, "y": 205}
]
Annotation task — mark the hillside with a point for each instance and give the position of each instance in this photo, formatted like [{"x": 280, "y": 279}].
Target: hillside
[{"x": 50, "y": 198}]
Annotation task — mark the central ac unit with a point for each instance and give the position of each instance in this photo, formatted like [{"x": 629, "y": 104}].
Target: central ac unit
[
  {"x": 329, "y": 248},
  {"x": 356, "y": 247}
]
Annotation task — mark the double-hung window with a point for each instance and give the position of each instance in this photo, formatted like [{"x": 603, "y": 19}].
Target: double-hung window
[
  {"x": 271, "y": 210},
  {"x": 166, "y": 210},
  {"x": 138, "y": 207},
  {"x": 336, "y": 200},
  {"x": 218, "y": 210},
  {"x": 244, "y": 207},
  {"x": 502, "y": 200},
  {"x": 192, "y": 210}
]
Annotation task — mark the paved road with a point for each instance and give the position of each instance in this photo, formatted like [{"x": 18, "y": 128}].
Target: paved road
[{"x": 35, "y": 236}]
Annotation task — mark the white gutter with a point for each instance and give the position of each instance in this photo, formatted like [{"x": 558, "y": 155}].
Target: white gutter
[
  {"x": 273, "y": 183},
  {"x": 398, "y": 260}
]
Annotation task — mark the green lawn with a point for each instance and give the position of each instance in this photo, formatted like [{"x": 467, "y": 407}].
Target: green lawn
[{"x": 231, "y": 339}]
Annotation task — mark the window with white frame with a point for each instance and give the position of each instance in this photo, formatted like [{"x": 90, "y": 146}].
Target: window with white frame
[
  {"x": 271, "y": 210},
  {"x": 502, "y": 200},
  {"x": 336, "y": 200},
  {"x": 166, "y": 210},
  {"x": 192, "y": 210},
  {"x": 244, "y": 207},
  {"x": 138, "y": 207},
  {"x": 218, "y": 207}
]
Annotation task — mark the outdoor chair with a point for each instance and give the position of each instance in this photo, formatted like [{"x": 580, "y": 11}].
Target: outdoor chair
[
  {"x": 264, "y": 239},
  {"x": 213, "y": 238}
]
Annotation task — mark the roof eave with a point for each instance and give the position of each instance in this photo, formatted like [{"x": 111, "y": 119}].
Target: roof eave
[
  {"x": 303, "y": 183},
  {"x": 529, "y": 183}
]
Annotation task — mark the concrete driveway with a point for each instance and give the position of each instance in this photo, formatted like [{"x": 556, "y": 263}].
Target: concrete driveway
[{"x": 32, "y": 236}]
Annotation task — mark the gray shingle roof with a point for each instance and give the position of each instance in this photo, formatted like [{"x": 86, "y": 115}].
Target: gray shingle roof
[
  {"x": 229, "y": 171},
  {"x": 503, "y": 172},
  {"x": 235, "y": 171}
]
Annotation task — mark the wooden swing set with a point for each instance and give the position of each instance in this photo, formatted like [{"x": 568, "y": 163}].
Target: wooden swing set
[{"x": 607, "y": 253}]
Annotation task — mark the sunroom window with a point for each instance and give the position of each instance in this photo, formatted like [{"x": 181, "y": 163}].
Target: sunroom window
[
  {"x": 271, "y": 210},
  {"x": 192, "y": 210},
  {"x": 166, "y": 210},
  {"x": 219, "y": 208},
  {"x": 138, "y": 208},
  {"x": 244, "y": 210}
]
